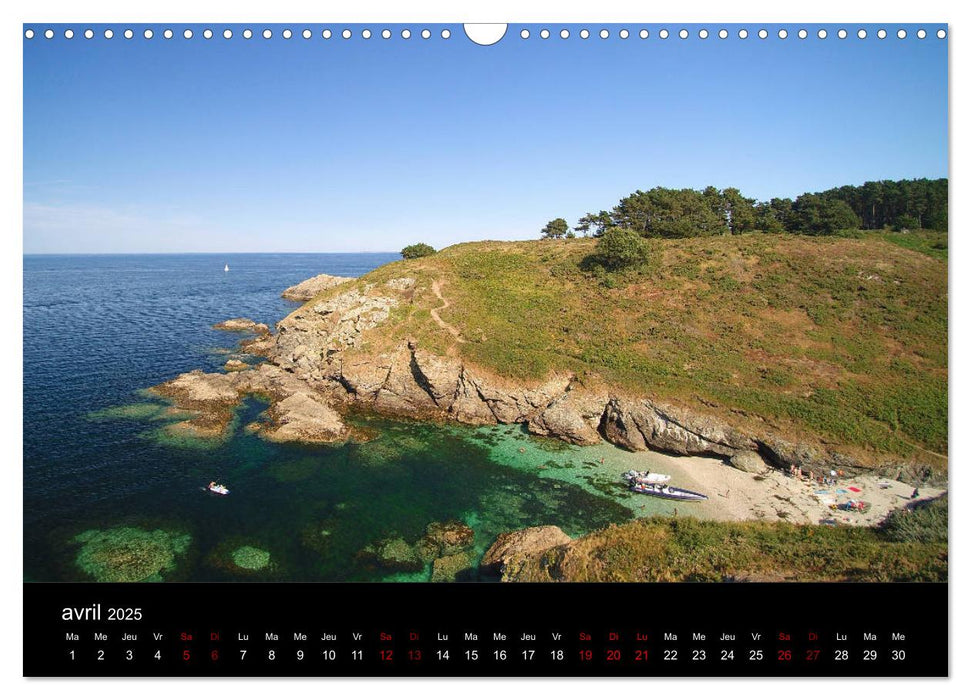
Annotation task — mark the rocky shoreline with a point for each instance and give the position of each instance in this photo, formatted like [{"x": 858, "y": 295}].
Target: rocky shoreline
[{"x": 315, "y": 367}]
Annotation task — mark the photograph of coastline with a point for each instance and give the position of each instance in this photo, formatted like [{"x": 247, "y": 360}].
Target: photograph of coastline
[{"x": 405, "y": 309}]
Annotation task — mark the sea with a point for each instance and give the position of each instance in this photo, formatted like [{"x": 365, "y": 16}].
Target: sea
[{"x": 109, "y": 494}]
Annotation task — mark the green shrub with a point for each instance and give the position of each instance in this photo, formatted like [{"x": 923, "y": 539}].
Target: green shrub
[
  {"x": 926, "y": 522},
  {"x": 619, "y": 248},
  {"x": 418, "y": 250}
]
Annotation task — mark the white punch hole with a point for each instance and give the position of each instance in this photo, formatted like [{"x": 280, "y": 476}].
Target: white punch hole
[{"x": 488, "y": 34}]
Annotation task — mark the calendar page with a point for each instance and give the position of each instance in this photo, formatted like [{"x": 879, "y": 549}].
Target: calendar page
[{"x": 605, "y": 349}]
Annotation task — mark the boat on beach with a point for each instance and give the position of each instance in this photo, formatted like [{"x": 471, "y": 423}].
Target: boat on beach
[
  {"x": 669, "y": 492},
  {"x": 646, "y": 477}
]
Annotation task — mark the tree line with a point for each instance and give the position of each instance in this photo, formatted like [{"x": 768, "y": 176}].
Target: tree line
[{"x": 681, "y": 213}]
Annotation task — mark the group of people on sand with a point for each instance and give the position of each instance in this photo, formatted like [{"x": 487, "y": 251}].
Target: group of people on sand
[{"x": 830, "y": 479}]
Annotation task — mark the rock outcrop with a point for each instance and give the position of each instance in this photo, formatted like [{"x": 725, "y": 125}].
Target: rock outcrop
[
  {"x": 748, "y": 461},
  {"x": 297, "y": 414},
  {"x": 308, "y": 289},
  {"x": 303, "y": 417},
  {"x": 511, "y": 549},
  {"x": 645, "y": 424},
  {"x": 242, "y": 325}
]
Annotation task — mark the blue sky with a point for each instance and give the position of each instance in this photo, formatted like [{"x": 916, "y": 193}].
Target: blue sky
[{"x": 352, "y": 145}]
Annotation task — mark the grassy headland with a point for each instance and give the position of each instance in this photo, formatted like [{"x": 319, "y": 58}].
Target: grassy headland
[{"x": 841, "y": 339}]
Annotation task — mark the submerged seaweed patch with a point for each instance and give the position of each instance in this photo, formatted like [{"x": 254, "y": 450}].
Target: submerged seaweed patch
[
  {"x": 251, "y": 558},
  {"x": 129, "y": 554}
]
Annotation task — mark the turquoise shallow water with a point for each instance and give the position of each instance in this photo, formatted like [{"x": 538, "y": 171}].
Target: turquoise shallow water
[{"x": 103, "y": 490}]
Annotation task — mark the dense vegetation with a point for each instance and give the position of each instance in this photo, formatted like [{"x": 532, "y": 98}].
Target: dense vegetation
[
  {"x": 620, "y": 248},
  {"x": 418, "y": 250},
  {"x": 840, "y": 339},
  {"x": 682, "y": 213},
  {"x": 685, "y": 549},
  {"x": 925, "y": 522}
]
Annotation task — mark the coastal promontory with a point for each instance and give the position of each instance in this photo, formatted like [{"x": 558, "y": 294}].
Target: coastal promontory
[{"x": 822, "y": 353}]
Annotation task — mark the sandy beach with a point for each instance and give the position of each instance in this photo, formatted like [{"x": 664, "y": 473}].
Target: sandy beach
[{"x": 774, "y": 495}]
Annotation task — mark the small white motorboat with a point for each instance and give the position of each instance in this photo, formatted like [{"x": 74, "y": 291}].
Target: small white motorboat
[
  {"x": 219, "y": 489},
  {"x": 636, "y": 477}
]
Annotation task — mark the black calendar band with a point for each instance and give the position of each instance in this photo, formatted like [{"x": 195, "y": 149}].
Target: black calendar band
[{"x": 341, "y": 630}]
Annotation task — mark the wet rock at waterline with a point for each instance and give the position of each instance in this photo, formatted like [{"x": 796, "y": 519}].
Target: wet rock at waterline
[
  {"x": 511, "y": 548},
  {"x": 242, "y": 325}
]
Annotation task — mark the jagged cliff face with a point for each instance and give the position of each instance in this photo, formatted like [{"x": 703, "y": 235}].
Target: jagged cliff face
[
  {"x": 325, "y": 344},
  {"x": 350, "y": 346}
]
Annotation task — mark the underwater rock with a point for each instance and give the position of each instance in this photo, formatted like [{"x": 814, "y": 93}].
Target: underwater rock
[
  {"x": 444, "y": 539},
  {"x": 242, "y": 555},
  {"x": 129, "y": 554},
  {"x": 448, "y": 568},
  {"x": 308, "y": 289},
  {"x": 395, "y": 554}
]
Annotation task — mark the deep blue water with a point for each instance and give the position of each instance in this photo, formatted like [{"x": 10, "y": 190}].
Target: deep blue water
[{"x": 97, "y": 329}]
